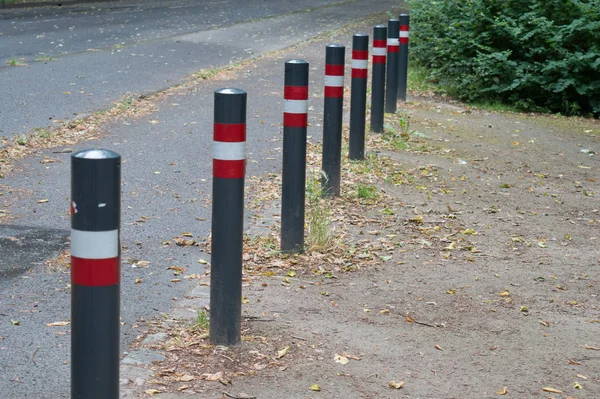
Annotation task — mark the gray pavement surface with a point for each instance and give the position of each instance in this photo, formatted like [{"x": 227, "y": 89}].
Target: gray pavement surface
[
  {"x": 82, "y": 58},
  {"x": 166, "y": 178}
]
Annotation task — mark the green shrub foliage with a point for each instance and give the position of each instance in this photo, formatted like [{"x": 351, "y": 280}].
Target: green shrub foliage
[{"x": 535, "y": 54}]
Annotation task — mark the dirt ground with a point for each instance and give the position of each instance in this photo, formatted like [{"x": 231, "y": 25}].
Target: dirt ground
[{"x": 472, "y": 274}]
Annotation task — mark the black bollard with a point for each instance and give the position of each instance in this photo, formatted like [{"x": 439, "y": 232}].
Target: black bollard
[
  {"x": 229, "y": 167},
  {"x": 293, "y": 179},
  {"x": 95, "y": 273},
  {"x": 378, "y": 79},
  {"x": 358, "y": 95},
  {"x": 391, "y": 87},
  {"x": 332, "y": 119},
  {"x": 403, "y": 57}
]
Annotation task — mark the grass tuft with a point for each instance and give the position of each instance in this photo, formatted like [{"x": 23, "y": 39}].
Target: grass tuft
[{"x": 318, "y": 217}]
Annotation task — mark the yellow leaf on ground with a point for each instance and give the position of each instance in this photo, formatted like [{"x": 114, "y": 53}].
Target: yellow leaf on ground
[
  {"x": 503, "y": 391},
  {"x": 152, "y": 392},
  {"x": 43, "y": 201},
  {"x": 395, "y": 385},
  {"x": 283, "y": 352},
  {"x": 315, "y": 387},
  {"x": 340, "y": 359}
]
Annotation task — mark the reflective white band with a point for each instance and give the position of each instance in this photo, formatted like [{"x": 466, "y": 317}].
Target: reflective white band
[
  {"x": 360, "y": 64},
  {"x": 334, "y": 81},
  {"x": 295, "y": 106},
  {"x": 229, "y": 151},
  {"x": 393, "y": 42},
  {"x": 94, "y": 244},
  {"x": 403, "y": 33},
  {"x": 379, "y": 51}
]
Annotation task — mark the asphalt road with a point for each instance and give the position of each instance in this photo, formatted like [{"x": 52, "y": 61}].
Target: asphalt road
[
  {"x": 166, "y": 155},
  {"x": 82, "y": 58}
]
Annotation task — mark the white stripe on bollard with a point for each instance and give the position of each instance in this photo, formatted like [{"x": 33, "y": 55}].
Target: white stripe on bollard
[
  {"x": 295, "y": 106},
  {"x": 229, "y": 151},
  {"x": 94, "y": 244}
]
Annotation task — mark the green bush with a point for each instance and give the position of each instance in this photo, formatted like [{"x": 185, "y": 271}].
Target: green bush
[{"x": 534, "y": 54}]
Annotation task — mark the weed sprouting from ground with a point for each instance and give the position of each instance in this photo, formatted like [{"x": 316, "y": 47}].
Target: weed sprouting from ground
[
  {"x": 202, "y": 320},
  {"x": 318, "y": 217},
  {"x": 126, "y": 102},
  {"x": 22, "y": 140},
  {"x": 366, "y": 192},
  {"x": 16, "y": 62}
]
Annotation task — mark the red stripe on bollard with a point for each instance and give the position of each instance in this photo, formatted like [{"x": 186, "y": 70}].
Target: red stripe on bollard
[
  {"x": 95, "y": 272},
  {"x": 229, "y": 169},
  {"x": 360, "y": 54},
  {"x": 378, "y": 59},
  {"x": 359, "y": 73},
  {"x": 295, "y": 92},
  {"x": 380, "y": 43},
  {"x": 229, "y": 132},
  {"x": 404, "y": 34},
  {"x": 334, "y": 92},
  {"x": 335, "y": 70},
  {"x": 295, "y": 120}
]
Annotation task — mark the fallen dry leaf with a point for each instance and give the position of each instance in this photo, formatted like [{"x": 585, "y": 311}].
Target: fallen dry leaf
[
  {"x": 141, "y": 263},
  {"x": 438, "y": 348},
  {"x": 315, "y": 387},
  {"x": 186, "y": 378},
  {"x": 213, "y": 377},
  {"x": 152, "y": 392},
  {"x": 42, "y": 201},
  {"x": 592, "y": 348},
  {"x": 503, "y": 391},
  {"x": 395, "y": 385},
  {"x": 58, "y": 324},
  {"x": 552, "y": 390},
  {"x": 349, "y": 356},
  {"x": 283, "y": 352},
  {"x": 340, "y": 359}
]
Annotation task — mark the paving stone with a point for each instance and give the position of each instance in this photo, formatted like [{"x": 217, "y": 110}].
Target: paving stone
[
  {"x": 142, "y": 356},
  {"x": 154, "y": 338}
]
